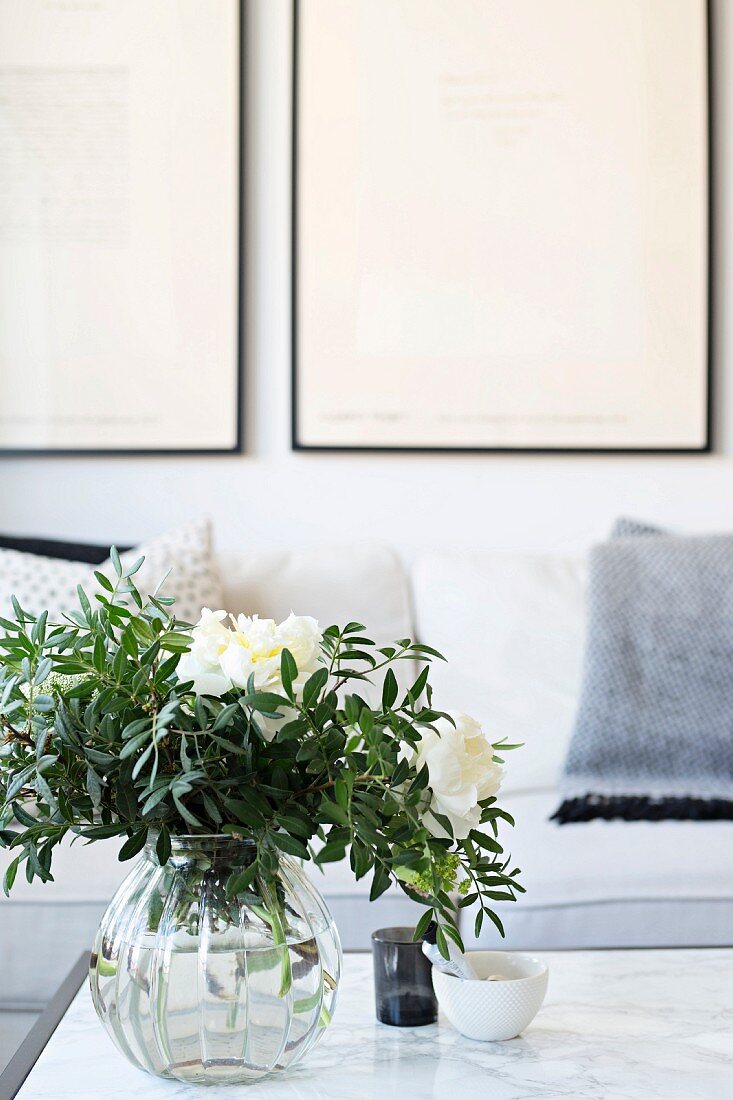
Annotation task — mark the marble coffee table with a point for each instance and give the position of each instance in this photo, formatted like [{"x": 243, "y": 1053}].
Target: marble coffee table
[{"x": 615, "y": 1024}]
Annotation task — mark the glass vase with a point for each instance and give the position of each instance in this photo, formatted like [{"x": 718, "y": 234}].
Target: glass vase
[{"x": 205, "y": 989}]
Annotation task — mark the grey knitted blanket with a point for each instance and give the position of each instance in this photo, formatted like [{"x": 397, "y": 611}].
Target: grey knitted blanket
[{"x": 654, "y": 732}]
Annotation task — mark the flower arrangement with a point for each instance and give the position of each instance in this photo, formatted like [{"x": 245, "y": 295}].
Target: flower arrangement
[{"x": 124, "y": 721}]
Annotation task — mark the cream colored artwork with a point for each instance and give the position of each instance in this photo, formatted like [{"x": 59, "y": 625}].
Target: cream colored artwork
[
  {"x": 501, "y": 224},
  {"x": 119, "y": 216}
]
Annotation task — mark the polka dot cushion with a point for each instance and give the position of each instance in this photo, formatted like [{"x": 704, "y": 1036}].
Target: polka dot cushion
[{"x": 41, "y": 583}]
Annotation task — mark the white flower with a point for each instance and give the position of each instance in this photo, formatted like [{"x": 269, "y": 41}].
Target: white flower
[
  {"x": 223, "y": 657},
  {"x": 302, "y": 636},
  {"x": 202, "y": 663},
  {"x": 255, "y": 649},
  {"x": 461, "y": 773}
]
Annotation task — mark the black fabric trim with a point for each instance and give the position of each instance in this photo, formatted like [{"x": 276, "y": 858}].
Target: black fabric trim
[
  {"x": 642, "y": 808},
  {"x": 61, "y": 551}
]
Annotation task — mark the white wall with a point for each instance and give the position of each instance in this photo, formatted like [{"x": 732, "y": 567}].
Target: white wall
[{"x": 272, "y": 497}]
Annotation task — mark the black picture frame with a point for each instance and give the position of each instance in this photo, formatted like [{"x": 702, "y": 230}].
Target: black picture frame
[
  {"x": 707, "y": 446},
  {"x": 239, "y": 389}
]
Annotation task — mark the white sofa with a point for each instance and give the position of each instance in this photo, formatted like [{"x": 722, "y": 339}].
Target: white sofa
[{"x": 512, "y": 628}]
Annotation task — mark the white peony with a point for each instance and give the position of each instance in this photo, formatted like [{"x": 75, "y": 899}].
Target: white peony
[
  {"x": 224, "y": 657},
  {"x": 255, "y": 649},
  {"x": 201, "y": 664},
  {"x": 461, "y": 773}
]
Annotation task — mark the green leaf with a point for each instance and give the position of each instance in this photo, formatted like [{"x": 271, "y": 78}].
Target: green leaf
[
  {"x": 366, "y": 721},
  {"x": 442, "y": 942},
  {"x": 427, "y": 650},
  {"x": 245, "y": 812},
  {"x": 22, "y": 816},
  {"x": 175, "y": 642},
  {"x": 185, "y": 813},
  {"x": 115, "y": 559},
  {"x": 495, "y": 920},
  {"x": 18, "y": 781},
  {"x": 239, "y": 881},
  {"x": 313, "y": 687},
  {"x": 331, "y": 852},
  {"x": 389, "y": 690},
  {"x": 84, "y": 601},
  {"x": 129, "y": 642},
  {"x": 332, "y": 812},
  {"x": 288, "y": 672},
  {"x": 9, "y": 877},
  {"x": 103, "y": 832},
  {"x": 45, "y": 792},
  {"x": 486, "y": 842},
  {"x": 341, "y": 792},
  {"x": 294, "y": 825},
  {"x": 163, "y": 845},
  {"x": 155, "y": 798},
  {"x": 137, "y": 726},
  {"x": 452, "y": 933},
  {"x": 133, "y": 845},
  {"x": 380, "y": 882},
  {"x": 291, "y": 731},
  {"x": 142, "y": 760},
  {"x": 266, "y": 702},
  {"x": 402, "y": 770},
  {"x": 422, "y": 925},
  {"x": 186, "y": 763},
  {"x": 130, "y": 747},
  {"x": 421, "y": 780},
  {"x": 135, "y": 566},
  {"x": 223, "y": 718},
  {"x": 211, "y": 808},
  {"x": 419, "y": 686},
  {"x": 290, "y": 845},
  {"x": 351, "y": 709}
]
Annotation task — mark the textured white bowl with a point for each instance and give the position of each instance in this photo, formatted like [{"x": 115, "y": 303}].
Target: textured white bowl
[{"x": 493, "y": 1010}]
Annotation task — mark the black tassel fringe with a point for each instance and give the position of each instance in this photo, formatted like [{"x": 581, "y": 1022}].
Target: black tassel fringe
[{"x": 642, "y": 808}]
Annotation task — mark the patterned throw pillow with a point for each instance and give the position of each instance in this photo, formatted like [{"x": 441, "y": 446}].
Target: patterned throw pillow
[
  {"x": 652, "y": 738},
  {"x": 40, "y": 583}
]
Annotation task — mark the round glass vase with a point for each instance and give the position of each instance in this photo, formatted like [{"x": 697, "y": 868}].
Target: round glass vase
[{"x": 194, "y": 986}]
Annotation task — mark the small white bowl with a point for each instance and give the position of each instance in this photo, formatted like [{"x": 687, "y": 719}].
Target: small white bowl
[{"x": 496, "y": 1010}]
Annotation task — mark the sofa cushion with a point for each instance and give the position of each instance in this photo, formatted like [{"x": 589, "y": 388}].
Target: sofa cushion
[
  {"x": 588, "y": 883},
  {"x": 334, "y": 584},
  {"x": 511, "y": 627},
  {"x": 44, "y": 583},
  {"x": 653, "y": 732}
]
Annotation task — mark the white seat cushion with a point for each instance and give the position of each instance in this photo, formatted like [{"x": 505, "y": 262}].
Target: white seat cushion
[
  {"x": 92, "y": 873},
  {"x": 613, "y": 883},
  {"x": 604, "y": 860},
  {"x": 511, "y": 628}
]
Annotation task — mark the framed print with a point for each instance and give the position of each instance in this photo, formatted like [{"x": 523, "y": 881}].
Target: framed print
[
  {"x": 120, "y": 226},
  {"x": 501, "y": 225}
]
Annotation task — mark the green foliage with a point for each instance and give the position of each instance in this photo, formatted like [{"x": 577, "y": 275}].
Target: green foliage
[{"x": 99, "y": 738}]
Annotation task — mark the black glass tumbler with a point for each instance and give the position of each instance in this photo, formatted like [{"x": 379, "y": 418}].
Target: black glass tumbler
[{"x": 402, "y": 982}]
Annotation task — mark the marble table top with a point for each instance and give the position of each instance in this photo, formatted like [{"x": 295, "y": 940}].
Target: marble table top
[{"x": 616, "y": 1025}]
